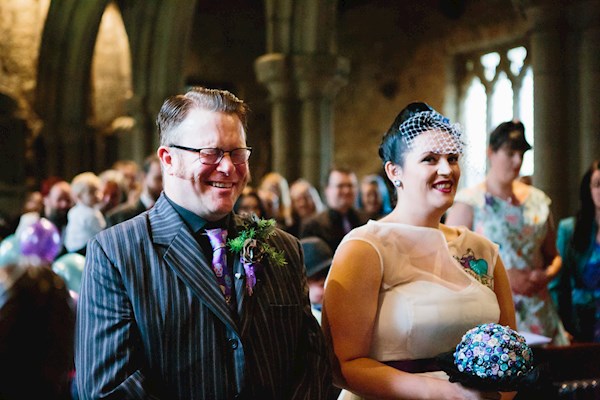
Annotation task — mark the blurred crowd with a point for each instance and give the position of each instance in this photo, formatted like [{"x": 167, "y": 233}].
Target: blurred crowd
[{"x": 506, "y": 208}]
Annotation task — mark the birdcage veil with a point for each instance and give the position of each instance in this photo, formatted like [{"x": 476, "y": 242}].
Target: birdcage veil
[{"x": 444, "y": 137}]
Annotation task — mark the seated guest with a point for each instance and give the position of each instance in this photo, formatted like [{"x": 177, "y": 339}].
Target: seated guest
[
  {"x": 278, "y": 185},
  {"x": 306, "y": 203},
  {"x": 250, "y": 202},
  {"x": 57, "y": 201},
  {"x": 317, "y": 259},
  {"x": 113, "y": 189},
  {"x": 130, "y": 171},
  {"x": 270, "y": 202},
  {"x": 341, "y": 217},
  {"x": 57, "y": 204},
  {"x": 151, "y": 188},
  {"x": 85, "y": 220},
  {"x": 374, "y": 198},
  {"x": 577, "y": 288},
  {"x": 37, "y": 323}
]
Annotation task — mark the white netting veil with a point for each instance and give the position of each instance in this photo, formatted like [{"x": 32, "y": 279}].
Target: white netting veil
[{"x": 444, "y": 137}]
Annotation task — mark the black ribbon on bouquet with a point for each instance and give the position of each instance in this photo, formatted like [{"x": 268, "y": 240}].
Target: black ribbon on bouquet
[{"x": 536, "y": 378}]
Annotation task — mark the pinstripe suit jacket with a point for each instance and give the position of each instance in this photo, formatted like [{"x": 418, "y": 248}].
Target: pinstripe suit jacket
[{"x": 152, "y": 322}]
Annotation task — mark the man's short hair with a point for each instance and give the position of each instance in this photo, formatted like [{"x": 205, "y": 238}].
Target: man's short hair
[
  {"x": 176, "y": 108},
  {"x": 342, "y": 169}
]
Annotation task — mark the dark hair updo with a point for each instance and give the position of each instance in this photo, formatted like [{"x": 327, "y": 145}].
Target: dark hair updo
[
  {"x": 511, "y": 134},
  {"x": 414, "y": 119}
]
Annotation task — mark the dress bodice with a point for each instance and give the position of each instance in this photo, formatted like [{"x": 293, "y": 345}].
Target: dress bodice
[{"x": 432, "y": 291}]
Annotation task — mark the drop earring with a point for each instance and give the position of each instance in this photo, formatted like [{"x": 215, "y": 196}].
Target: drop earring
[{"x": 397, "y": 183}]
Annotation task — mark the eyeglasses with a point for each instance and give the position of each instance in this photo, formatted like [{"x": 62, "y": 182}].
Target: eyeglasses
[{"x": 214, "y": 155}]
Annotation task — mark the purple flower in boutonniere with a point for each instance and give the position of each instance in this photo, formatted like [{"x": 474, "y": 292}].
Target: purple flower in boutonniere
[{"x": 251, "y": 244}]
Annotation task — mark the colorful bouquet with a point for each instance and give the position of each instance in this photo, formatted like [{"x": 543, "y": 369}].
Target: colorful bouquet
[{"x": 491, "y": 357}]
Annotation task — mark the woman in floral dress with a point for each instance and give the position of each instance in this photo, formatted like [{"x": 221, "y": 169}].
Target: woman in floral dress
[{"x": 517, "y": 217}]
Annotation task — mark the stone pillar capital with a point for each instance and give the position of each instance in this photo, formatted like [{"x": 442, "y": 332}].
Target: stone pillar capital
[
  {"x": 273, "y": 71},
  {"x": 320, "y": 76},
  {"x": 313, "y": 75}
]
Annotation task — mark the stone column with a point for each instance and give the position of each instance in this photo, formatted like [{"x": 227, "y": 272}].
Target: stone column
[
  {"x": 550, "y": 114},
  {"x": 13, "y": 133},
  {"x": 76, "y": 150},
  {"x": 587, "y": 20},
  {"x": 318, "y": 77},
  {"x": 273, "y": 70}
]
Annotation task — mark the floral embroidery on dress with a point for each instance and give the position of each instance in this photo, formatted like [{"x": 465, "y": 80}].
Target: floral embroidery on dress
[{"x": 476, "y": 267}]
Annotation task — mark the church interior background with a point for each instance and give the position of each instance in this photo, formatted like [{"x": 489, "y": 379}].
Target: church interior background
[{"x": 81, "y": 82}]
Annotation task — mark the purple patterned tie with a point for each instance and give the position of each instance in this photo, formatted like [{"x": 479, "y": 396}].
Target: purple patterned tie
[{"x": 217, "y": 239}]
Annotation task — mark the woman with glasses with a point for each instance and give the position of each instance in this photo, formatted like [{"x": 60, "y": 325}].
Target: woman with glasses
[
  {"x": 517, "y": 217},
  {"x": 577, "y": 288},
  {"x": 405, "y": 288}
]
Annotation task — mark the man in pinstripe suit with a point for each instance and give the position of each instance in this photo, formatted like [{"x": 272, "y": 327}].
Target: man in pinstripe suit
[{"x": 152, "y": 320}]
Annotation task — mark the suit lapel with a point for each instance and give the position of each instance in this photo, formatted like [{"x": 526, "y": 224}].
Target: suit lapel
[
  {"x": 239, "y": 274},
  {"x": 185, "y": 257},
  {"x": 239, "y": 280}
]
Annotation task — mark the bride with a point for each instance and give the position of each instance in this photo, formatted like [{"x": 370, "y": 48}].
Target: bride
[{"x": 404, "y": 289}]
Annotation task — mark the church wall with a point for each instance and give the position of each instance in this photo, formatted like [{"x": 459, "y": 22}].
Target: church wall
[
  {"x": 21, "y": 24},
  {"x": 222, "y": 53},
  {"x": 395, "y": 61}
]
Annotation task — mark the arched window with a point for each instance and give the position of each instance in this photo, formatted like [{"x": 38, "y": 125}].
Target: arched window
[{"x": 494, "y": 86}]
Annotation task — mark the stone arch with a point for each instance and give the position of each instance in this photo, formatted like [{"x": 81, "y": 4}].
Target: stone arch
[
  {"x": 157, "y": 61},
  {"x": 63, "y": 83},
  {"x": 64, "y": 68}
]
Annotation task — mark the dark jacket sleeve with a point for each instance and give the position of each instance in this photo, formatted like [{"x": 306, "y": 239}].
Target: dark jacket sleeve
[
  {"x": 106, "y": 360},
  {"x": 312, "y": 371}
]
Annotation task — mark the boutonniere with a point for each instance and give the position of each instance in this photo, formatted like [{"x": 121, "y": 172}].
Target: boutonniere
[{"x": 251, "y": 244}]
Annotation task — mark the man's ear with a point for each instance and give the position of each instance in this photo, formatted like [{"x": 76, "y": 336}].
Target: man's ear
[
  {"x": 393, "y": 171},
  {"x": 166, "y": 159}
]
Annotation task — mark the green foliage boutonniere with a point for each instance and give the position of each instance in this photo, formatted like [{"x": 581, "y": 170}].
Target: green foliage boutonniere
[{"x": 252, "y": 246}]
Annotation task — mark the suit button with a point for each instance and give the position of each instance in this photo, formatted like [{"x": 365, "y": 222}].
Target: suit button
[{"x": 233, "y": 343}]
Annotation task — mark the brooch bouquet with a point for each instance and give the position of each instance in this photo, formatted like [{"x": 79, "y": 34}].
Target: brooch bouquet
[
  {"x": 251, "y": 244},
  {"x": 492, "y": 357}
]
